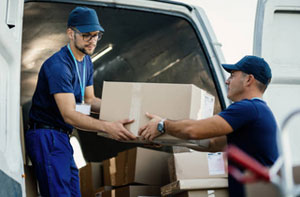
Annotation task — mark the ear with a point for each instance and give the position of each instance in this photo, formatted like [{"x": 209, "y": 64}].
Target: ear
[
  {"x": 70, "y": 33},
  {"x": 250, "y": 79}
]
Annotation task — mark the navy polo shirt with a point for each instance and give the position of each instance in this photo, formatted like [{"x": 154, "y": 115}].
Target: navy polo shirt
[
  {"x": 254, "y": 131},
  {"x": 58, "y": 75}
]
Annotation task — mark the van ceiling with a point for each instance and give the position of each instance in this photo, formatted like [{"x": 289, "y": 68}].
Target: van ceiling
[
  {"x": 44, "y": 33},
  {"x": 146, "y": 47}
]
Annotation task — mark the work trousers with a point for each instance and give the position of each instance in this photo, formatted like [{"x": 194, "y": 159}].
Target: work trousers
[{"x": 52, "y": 157}]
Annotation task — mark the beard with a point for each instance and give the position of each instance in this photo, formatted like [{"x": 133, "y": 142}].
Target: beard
[{"x": 82, "y": 49}]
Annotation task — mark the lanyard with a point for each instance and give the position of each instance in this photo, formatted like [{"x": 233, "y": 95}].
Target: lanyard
[{"x": 81, "y": 83}]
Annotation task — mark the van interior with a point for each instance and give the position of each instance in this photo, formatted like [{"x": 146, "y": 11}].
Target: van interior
[{"x": 138, "y": 45}]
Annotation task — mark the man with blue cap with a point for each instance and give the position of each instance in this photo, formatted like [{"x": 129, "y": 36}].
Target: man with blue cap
[
  {"x": 63, "y": 97},
  {"x": 248, "y": 122}
]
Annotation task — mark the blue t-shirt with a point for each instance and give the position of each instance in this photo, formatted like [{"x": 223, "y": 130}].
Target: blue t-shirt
[
  {"x": 254, "y": 131},
  {"x": 58, "y": 75}
]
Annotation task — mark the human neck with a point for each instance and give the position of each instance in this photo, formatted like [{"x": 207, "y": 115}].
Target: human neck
[
  {"x": 250, "y": 95},
  {"x": 77, "y": 54}
]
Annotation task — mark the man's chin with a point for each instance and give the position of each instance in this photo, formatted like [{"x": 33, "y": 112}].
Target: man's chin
[{"x": 89, "y": 52}]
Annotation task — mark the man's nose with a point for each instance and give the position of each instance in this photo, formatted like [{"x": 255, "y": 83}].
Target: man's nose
[
  {"x": 227, "y": 81},
  {"x": 94, "y": 39}
]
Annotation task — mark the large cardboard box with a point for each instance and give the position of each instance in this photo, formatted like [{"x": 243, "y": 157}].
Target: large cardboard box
[
  {"x": 197, "y": 165},
  {"x": 204, "y": 193},
  {"x": 90, "y": 178},
  {"x": 122, "y": 100},
  {"x": 137, "y": 165},
  {"x": 132, "y": 191}
]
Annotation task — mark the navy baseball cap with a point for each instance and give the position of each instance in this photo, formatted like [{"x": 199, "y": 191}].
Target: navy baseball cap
[
  {"x": 254, "y": 65},
  {"x": 85, "y": 20}
]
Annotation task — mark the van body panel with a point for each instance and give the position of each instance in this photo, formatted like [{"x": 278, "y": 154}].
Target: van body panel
[
  {"x": 11, "y": 165},
  {"x": 276, "y": 38}
]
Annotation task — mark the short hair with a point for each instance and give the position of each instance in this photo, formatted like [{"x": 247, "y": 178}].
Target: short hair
[{"x": 262, "y": 87}]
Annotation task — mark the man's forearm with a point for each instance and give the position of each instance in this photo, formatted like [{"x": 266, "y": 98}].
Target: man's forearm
[
  {"x": 179, "y": 128},
  {"x": 84, "y": 122},
  {"x": 198, "y": 129}
]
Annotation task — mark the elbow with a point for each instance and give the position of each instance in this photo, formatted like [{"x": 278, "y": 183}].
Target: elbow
[
  {"x": 68, "y": 120},
  {"x": 88, "y": 100}
]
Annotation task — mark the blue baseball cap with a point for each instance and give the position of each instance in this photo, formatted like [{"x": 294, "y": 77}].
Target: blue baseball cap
[
  {"x": 254, "y": 65},
  {"x": 85, "y": 20}
]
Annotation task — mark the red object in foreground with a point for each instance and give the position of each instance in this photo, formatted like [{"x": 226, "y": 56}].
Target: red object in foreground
[{"x": 259, "y": 172}]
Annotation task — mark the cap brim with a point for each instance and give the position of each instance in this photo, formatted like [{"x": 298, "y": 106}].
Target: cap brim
[
  {"x": 230, "y": 67},
  {"x": 90, "y": 28}
]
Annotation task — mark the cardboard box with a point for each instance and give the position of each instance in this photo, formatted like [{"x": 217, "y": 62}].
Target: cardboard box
[
  {"x": 204, "y": 193},
  {"x": 122, "y": 100},
  {"x": 137, "y": 165},
  {"x": 90, "y": 178},
  {"x": 100, "y": 190},
  {"x": 193, "y": 184},
  {"x": 132, "y": 191},
  {"x": 197, "y": 165}
]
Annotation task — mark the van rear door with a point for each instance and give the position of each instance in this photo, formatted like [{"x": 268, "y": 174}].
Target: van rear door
[
  {"x": 277, "y": 39},
  {"x": 11, "y": 165}
]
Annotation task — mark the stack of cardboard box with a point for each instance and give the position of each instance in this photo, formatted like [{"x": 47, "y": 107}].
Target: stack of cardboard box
[
  {"x": 138, "y": 171},
  {"x": 146, "y": 172}
]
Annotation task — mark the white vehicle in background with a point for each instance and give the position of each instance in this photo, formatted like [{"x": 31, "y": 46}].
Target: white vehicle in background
[
  {"x": 276, "y": 38},
  {"x": 144, "y": 41}
]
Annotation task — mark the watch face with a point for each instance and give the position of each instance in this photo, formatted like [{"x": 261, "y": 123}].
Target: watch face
[{"x": 160, "y": 127}]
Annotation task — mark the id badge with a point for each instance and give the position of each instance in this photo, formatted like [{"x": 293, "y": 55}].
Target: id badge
[{"x": 83, "y": 108}]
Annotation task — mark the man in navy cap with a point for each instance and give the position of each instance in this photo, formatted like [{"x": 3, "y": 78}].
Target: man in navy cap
[
  {"x": 248, "y": 122},
  {"x": 63, "y": 96}
]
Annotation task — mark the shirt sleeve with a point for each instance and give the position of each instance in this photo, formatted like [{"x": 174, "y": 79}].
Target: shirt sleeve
[
  {"x": 59, "y": 78},
  {"x": 239, "y": 114}
]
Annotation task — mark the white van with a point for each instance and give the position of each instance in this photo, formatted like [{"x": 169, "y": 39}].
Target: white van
[{"x": 144, "y": 41}]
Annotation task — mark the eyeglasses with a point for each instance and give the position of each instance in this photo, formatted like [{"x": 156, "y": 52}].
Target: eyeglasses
[{"x": 89, "y": 37}]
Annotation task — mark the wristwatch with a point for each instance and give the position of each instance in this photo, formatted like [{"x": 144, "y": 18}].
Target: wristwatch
[{"x": 161, "y": 126}]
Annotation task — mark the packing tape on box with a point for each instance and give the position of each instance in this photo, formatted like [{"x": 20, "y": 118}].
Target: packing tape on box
[{"x": 135, "y": 106}]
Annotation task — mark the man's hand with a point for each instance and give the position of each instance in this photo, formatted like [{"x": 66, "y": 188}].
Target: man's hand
[
  {"x": 149, "y": 131},
  {"x": 118, "y": 131}
]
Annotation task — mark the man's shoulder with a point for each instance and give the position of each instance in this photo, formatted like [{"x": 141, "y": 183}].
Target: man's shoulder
[
  {"x": 60, "y": 55},
  {"x": 57, "y": 60},
  {"x": 242, "y": 104}
]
